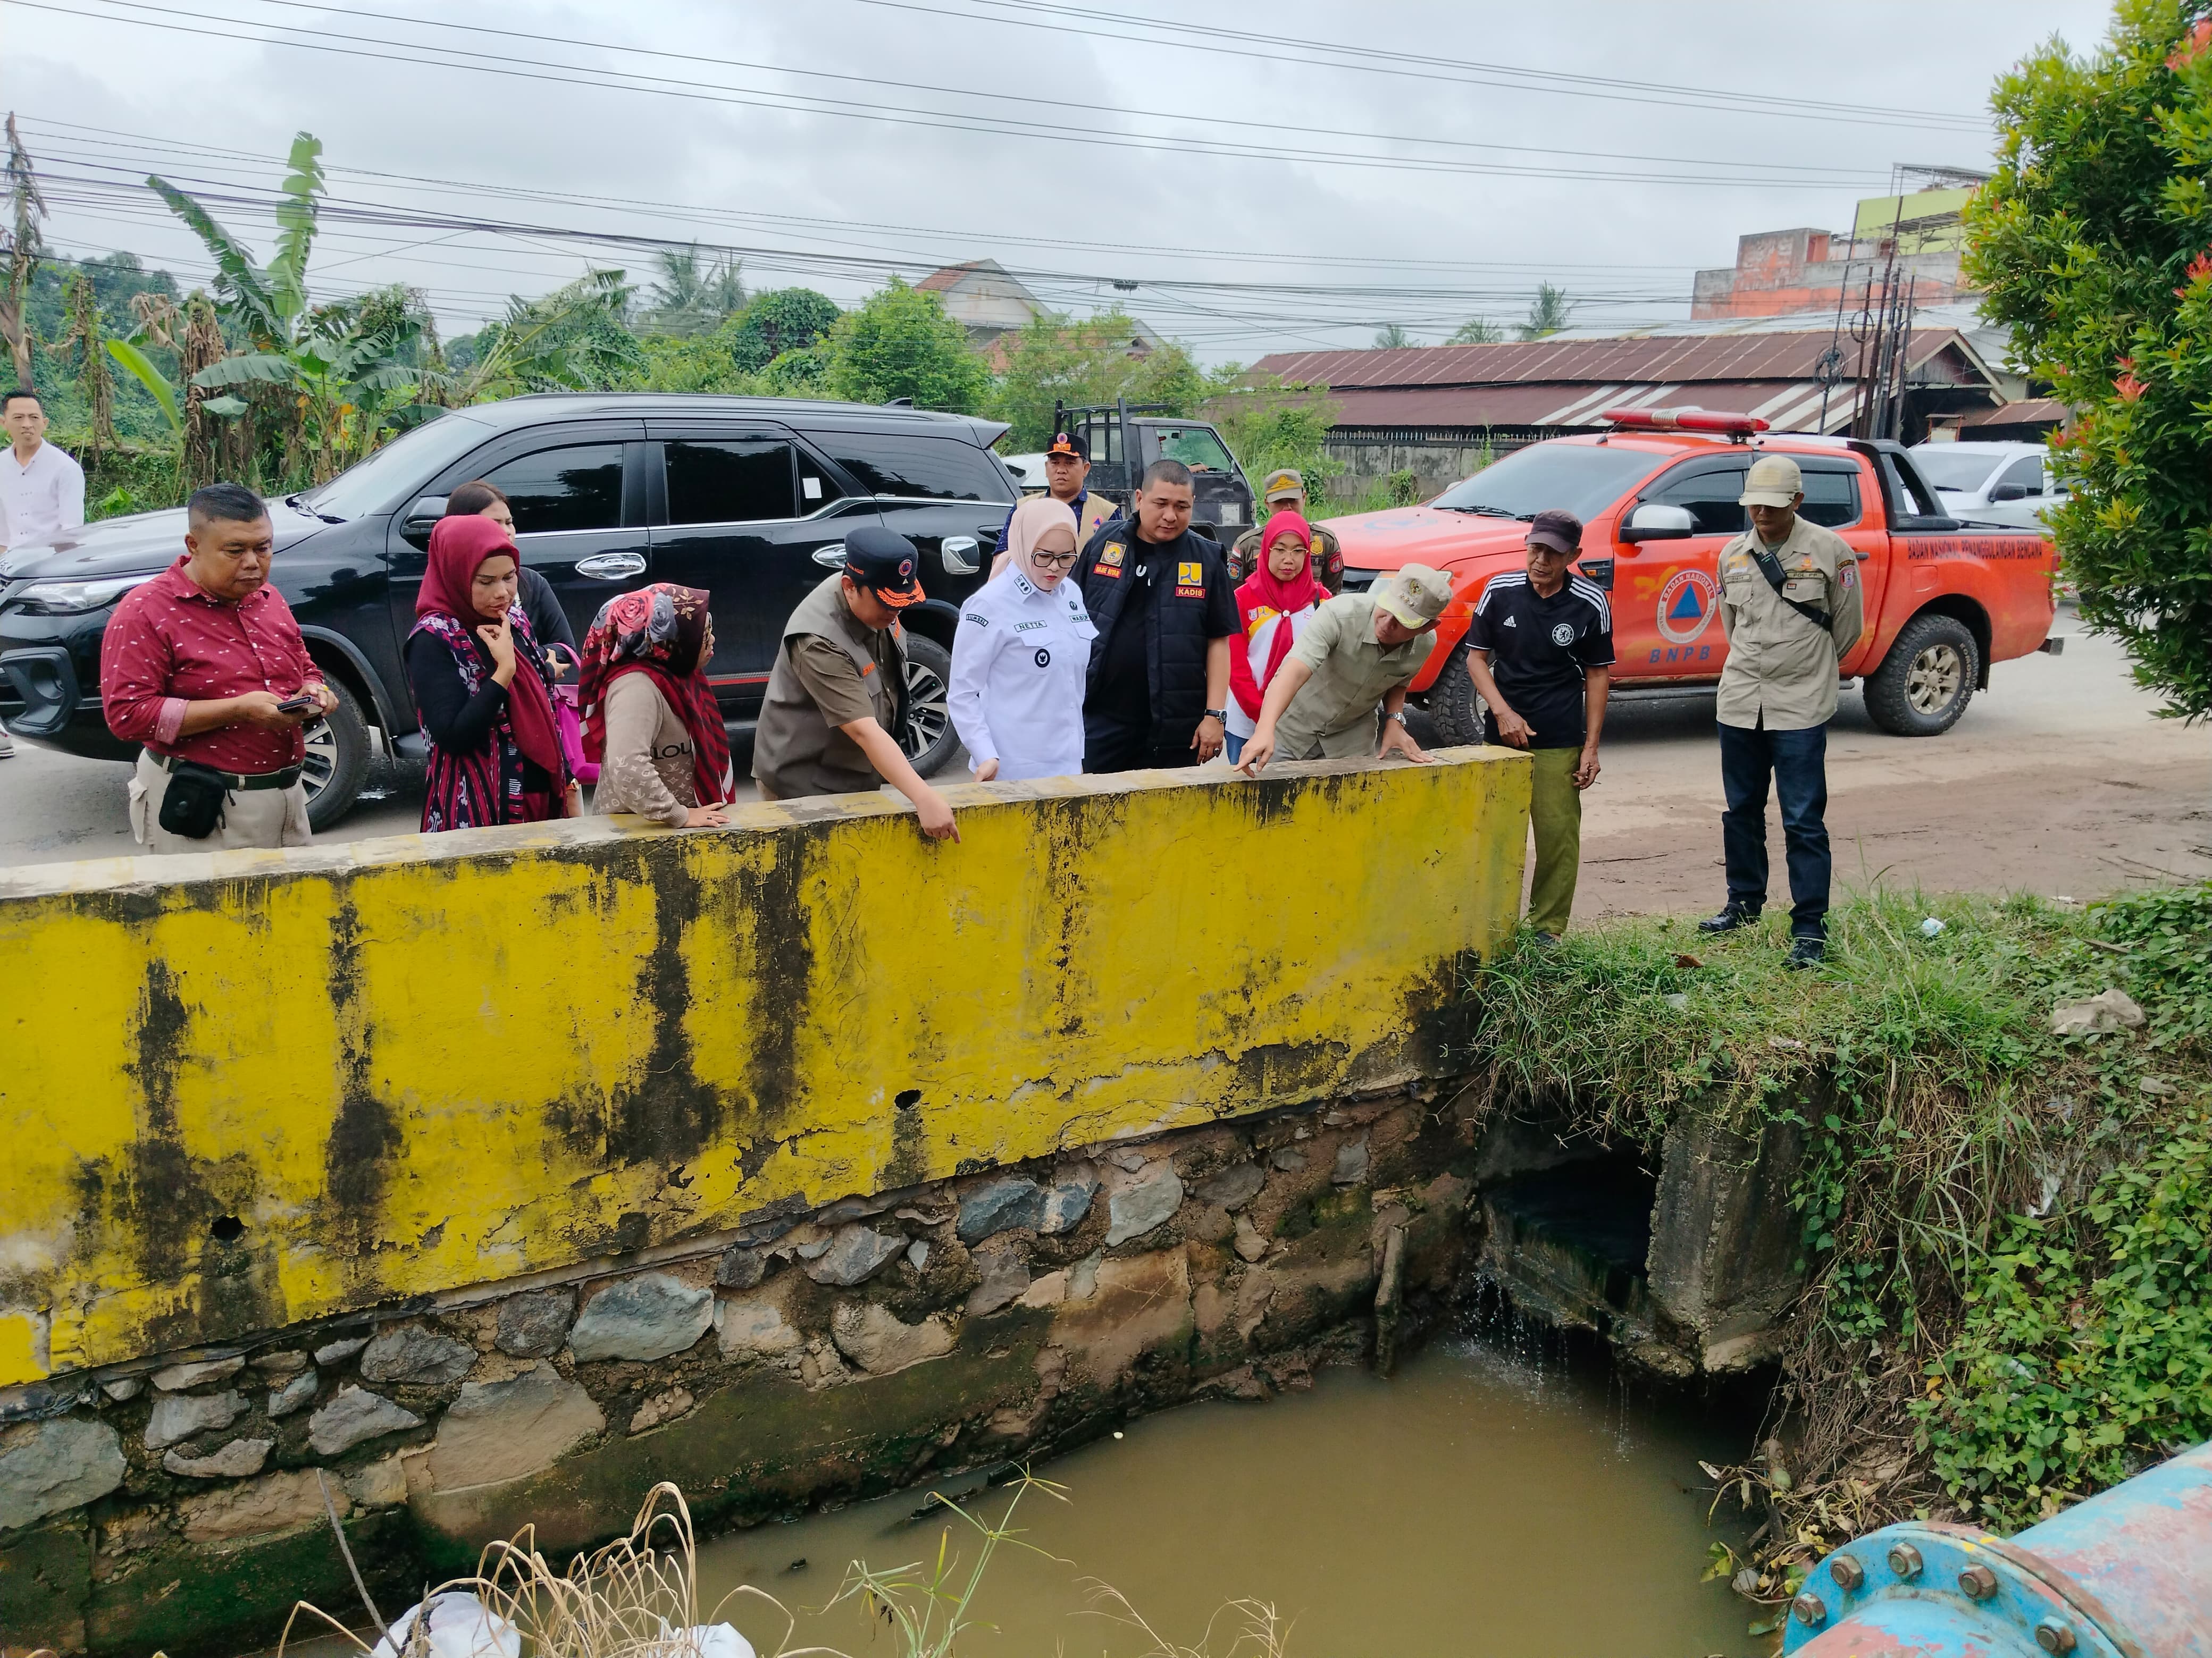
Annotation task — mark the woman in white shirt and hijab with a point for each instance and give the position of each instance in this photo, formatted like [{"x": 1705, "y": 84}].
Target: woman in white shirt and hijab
[{"x": 1021, "y": 656}]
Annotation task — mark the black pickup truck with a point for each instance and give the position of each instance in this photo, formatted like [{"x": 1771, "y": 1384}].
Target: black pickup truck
[{"x": 749, "y": 498}]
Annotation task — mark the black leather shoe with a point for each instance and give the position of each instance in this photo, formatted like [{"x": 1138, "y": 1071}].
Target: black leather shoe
[
  {"x": 1808, "y": 952},
  {"x": 1728, "y": 920}
]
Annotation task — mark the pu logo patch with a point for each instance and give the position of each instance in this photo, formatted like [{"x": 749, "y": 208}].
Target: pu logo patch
[
  {"x": 1189, "y": 573},
  {"x": 1685, "y": 606}
]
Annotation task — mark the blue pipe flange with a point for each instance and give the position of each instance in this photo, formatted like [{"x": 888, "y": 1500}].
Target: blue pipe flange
[{"x": 1926, "y": 1588}]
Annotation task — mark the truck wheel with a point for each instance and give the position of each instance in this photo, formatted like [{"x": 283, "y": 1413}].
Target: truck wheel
[
  {"x": 929, "y": 739},
  {"x": 1453, "y": 704},
  {"x": 338, "y": 759},
  {"x": 1926, "y": 679}
]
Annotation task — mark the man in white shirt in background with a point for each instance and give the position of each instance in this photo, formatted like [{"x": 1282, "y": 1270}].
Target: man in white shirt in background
[{"x": 42, "y": 489}]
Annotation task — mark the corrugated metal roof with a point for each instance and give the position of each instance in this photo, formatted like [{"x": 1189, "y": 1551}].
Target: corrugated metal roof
[
  {"x": 2031, "y": 411},
  {"x": 1675, "y": 358},
  {"x": 1787, "y": 406}
]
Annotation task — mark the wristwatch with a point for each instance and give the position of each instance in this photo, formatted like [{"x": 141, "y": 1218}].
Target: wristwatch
[
  {"x": 1398, "y": 715},
  {"x": 1222, "y": 714}
]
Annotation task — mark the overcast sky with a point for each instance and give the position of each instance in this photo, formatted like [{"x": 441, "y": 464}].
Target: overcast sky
[{"x": 1276, "y": 176}]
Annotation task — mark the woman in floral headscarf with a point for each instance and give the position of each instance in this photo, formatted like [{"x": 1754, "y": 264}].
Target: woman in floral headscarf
[
  {"x": 650, "y": 719},
  {"x": 479, "y": 680}
]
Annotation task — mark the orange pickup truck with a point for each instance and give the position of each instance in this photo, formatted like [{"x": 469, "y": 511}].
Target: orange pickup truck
[{"x": 1944, "y": 599}]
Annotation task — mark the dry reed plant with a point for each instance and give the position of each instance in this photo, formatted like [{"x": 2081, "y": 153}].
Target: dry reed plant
[{"x": 636, "y": 1598}]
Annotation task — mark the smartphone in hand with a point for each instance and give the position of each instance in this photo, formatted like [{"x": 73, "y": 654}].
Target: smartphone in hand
[{"x": 305, "y": 702}]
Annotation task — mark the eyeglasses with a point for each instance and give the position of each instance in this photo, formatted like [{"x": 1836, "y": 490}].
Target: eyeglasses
[{"x": 1053, "y": 561}]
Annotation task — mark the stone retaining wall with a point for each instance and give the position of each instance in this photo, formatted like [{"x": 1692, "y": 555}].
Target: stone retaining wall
[{"x": 179, "y": 1503}]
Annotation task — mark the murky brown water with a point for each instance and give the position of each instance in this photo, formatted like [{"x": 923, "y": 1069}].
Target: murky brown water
[{"x": 1479, "y": 1503}]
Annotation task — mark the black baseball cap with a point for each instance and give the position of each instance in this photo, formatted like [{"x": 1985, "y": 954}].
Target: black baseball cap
[
  {"x": 1561, "y": 531},
  {"x": 1069, "y": 443},
  {"x": 885, "y": 562}
]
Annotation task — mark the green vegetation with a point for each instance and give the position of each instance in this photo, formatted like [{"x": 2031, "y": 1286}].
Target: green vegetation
[
  {"x": 2005, "y": 1229},
  {"x": 2093, "y": 242},
  {"x": 900, "y": 344},
  {"x": 1085, "y": 363}
]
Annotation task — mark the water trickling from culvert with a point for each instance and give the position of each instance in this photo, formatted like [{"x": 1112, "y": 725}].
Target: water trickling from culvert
[{"x": 1495, "y": 1497}]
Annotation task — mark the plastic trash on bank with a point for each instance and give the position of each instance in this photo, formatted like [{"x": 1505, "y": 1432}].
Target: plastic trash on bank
[{"x": 455, "y": 1624}]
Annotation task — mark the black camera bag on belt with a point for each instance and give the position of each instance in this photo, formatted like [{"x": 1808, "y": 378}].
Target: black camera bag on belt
[{"x": 191, "y": 806}]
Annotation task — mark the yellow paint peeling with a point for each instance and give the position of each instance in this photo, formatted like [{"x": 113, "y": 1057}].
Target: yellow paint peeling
[{"x": 417, "y": 1065}]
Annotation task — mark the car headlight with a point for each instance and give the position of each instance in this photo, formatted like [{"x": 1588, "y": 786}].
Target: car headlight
[{"x": 72, "y": 598}]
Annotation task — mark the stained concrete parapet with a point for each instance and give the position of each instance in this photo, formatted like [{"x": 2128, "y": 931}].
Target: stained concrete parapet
[
  {"x": 247, "y": 1091},
  {"x": 445, "y": 1183}
]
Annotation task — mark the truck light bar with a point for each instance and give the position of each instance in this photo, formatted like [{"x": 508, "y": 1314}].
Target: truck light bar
[{"x": 1689, "y": 418}]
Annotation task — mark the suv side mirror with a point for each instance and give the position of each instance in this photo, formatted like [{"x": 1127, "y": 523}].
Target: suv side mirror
[
  {"x": 2009, "y": 492},
  {"x": 1654, "y": 521},
  {"x": 416, "y": 523}
]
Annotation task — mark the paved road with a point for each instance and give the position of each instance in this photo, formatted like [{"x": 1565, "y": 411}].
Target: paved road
[{"x": 2059, "y": 779}]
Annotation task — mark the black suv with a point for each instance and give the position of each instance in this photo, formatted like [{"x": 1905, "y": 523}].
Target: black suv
[{"x": 748, "y": 497}]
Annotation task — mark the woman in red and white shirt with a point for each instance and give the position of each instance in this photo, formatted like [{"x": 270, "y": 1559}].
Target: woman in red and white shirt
[{"x": 1276, "y": 602}]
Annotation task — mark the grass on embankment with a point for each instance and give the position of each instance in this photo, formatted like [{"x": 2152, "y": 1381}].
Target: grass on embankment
[{"x": 2006, "y": 1231}]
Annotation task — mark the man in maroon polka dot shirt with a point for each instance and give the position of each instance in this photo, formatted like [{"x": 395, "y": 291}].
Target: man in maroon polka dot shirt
[{"x": 204, "y": 663}]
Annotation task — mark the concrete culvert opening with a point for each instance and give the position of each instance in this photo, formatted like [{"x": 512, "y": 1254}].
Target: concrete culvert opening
[{"x": 1570, "y": 1241}]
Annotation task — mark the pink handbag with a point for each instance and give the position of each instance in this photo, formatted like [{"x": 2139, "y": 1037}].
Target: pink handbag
[{"x": 569, "y": 721}]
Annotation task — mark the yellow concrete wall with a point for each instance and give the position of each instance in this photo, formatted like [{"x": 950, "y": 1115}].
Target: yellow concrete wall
[{"x": 419, "y": 1064}]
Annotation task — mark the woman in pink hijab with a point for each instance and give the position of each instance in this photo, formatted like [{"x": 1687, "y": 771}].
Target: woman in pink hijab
[{"x": 1021, "y": 656}]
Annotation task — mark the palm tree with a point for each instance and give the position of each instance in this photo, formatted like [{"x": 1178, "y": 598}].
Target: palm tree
[
  {"x": 1392, "y": 336},
  {"x": 1547, "y": 313},
  {"x": 693, "y": 295},
  {"x": 1477, "y": 331},
  {"x": 571, "y": 339}
]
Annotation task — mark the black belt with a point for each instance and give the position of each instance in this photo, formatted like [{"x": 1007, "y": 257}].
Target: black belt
[{"x": 232, "y": 780}]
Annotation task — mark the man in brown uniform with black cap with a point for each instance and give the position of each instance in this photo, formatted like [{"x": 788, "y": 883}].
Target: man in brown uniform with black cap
[{"x": 837, "y": 696}]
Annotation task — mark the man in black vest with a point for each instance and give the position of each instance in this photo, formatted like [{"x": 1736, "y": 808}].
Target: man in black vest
[{"x": 1161, "y": 598}]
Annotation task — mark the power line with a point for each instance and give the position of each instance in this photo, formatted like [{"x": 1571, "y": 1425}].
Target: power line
[
  {"x": 1171, "y": 32},
  {"x": 511, "y": 68},
  {"x": 1849, "y": 175},
  {"x": 105, "y": 139}
]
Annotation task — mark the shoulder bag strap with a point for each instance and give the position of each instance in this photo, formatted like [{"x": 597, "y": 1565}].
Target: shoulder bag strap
[{"x": 1770, "y": 567}]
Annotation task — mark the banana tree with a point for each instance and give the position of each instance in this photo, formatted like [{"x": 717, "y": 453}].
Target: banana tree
[
  {"x": 343, "y": 377},
  {"x": 325, "y": 381}
]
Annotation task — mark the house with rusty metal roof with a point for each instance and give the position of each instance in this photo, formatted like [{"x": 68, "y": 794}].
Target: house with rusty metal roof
[{"x": 1441, "y": 411}]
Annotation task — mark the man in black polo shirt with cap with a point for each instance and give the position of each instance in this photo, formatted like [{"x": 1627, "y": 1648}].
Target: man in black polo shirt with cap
[
  {"x": 836, "y": 699},
  {"x": 1539, "y": 649},
  {"x": 1159, "y": 595}
]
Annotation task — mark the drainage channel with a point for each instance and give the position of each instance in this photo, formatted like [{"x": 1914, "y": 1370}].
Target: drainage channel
[{"x": 1494, "y": 1496}]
